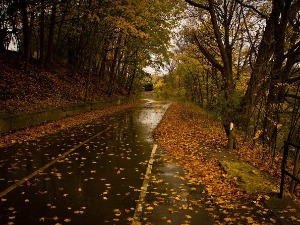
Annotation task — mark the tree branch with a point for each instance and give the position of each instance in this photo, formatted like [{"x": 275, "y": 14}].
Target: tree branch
[
  {"x": 294, "y": 49},
  {"x": 209, "y": 57},
  {"x": 292, "y": 96},
  {"x": 197, "y": 5},
  {"x": 252, "y": 8},
  {"x": 293, "y": 80},
  {"x": 218, "y": 36}
]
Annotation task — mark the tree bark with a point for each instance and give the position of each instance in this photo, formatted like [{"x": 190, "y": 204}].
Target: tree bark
[
  {"x": 112, "y": 73},
  {"x": 62, "y": 21},
  {"x": 134, "y": 72},
  {"x": 2, "y": 38},
  {"x": 49, "y": 57},
  {"x": 296, "y": 171},
  {"x": 26, "y": 33},
  {"x": 87, "y": 87},
  {"x": 42, "y": 33}
]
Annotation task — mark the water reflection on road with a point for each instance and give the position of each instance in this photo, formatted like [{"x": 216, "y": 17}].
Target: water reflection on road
[{"x": 98, "y": 183}]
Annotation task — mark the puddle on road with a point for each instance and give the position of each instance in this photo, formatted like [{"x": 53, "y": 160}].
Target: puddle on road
[
  {"x": 171, "y": 198},
  {"x": 98, "y": 183}
]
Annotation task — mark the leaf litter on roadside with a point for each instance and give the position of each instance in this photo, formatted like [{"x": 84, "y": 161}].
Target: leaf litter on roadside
[{"x": 189, "y": 135}]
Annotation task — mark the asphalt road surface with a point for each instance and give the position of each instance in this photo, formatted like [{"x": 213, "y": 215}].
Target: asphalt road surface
[{"x": 108, "y": 171}]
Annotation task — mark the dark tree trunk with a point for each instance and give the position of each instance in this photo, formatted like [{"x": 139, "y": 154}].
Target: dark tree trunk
[
  {"x": 134, "y": 73},
  {"x": 256, "y": 88},
  {"x": 49, "y": 57},
  {"x": 42, "y": 33},
  {"x": 88, "y": 82},
  {"x": 71, "y": 51},
  {"x": 131, "y": 81},
  {"x": 123, "y": 73},
  {"x": 2, "y": 39},
  {"x": 32, "y": 17},
  {"x": 104, "y": 58},
  {"x": 272, "y": 119},
  {"x": 26, "y": 33},
  {"x": 112, "y": 74},
  {"x": 60, "y": 29}
]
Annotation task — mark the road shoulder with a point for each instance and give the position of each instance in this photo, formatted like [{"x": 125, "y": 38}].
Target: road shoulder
[{"x": 191, "y": 137}]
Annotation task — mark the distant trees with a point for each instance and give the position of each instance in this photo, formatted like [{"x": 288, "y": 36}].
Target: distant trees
[
  {"x": 114, "y": 40},
  {"x": 241, "y": 59}
]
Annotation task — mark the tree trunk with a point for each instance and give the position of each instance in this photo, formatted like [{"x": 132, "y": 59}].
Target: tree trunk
[
  {"x": 32, "y": 17},
  {"x": 49, "y": 57},
  {"x": 112, "y": 73},
  {"x": 296, "y": 171},
  {"x": 230, "y": 132},
  {"x": 278, "y": 75},
  {"x": 2, "y": 38},
  {"x": 42, "y": 33},
  {"x": 134, "y": 73},
  {"x": 104, "y": 58},
  {"x": 88, "y": 79},
  {"x": 26, "y": 33},
  {"x": 62, "y": 21},
  {"x": 132, "y": 80},
  {"x": 255, "y": 88}
]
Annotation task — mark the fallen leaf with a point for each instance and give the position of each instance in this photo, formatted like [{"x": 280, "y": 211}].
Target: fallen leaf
[{"x": 55, "y": 218}]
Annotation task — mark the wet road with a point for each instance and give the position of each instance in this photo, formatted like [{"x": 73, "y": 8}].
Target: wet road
[
  {"x": 174, "y": 198},
  {"x": 92, "y": 174}
]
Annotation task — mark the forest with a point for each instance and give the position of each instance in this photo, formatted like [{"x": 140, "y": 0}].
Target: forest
[
  {"x": 239, "y": 59},
  {"x": 113, "y": 40}
]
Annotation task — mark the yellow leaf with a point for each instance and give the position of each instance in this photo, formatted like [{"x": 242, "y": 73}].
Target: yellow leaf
[
  {"x": 293, "y": 218},
  {"x": 149, "y": 208},
  {"x": 55, "y": 218},
  {"x": 67, "y": 220},
  {"x": 250, "y": 220}
]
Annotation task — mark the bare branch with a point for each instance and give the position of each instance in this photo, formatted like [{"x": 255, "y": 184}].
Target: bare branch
[
  {"x": 218, "y": 35},
  {"x": 292, "y": 96},
  {"x": 252, "y": 8},
  {"x": 209, "y": 57},
  {"x": 294, "y": 49},
  {"x": 293, "y": 80},
  {"x": 197, "y": 5}
]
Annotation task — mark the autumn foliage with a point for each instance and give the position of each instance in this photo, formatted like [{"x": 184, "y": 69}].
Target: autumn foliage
[{"x": 193, "y": 138}]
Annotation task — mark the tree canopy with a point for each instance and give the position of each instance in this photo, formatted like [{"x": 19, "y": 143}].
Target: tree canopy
[
  {"x": 240, "y": 59},
  {"x": 112, "y": 39}
]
